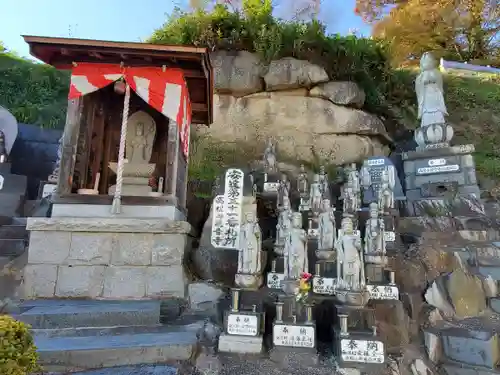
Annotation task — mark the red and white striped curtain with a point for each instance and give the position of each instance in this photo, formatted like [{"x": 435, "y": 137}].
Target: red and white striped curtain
[{"x": 166, "y": 91}]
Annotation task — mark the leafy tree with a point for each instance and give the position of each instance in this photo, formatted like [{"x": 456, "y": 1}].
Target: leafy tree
[{"x": 460, "y": 29}]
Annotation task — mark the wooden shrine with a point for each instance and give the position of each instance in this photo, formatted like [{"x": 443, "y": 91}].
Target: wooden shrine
[{"x": 91, "y": 141}]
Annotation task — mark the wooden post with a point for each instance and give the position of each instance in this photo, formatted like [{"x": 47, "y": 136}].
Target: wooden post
[
  {"x": 69, "y": 146},
  {"x": 172, "y": 161}
]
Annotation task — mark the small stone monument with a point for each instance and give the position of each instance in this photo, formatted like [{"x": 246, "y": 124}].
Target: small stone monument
[
  {"x": 283, "y": 228},
  {"x": 141, "y": 131},
  {"x": 436, "y": 172},
  {"x": 315, "y": 195},
  {"x": 271, "y": 182},
  {"x": 50, "y": 187},
  {"x": 371, "y": 179},
  {"x": 243, "y": 330}
]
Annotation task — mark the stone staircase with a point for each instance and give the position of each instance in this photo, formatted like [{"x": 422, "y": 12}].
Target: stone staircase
[
  {"x": 120, "y": 336},
  {"x": 13, "y": 254}
]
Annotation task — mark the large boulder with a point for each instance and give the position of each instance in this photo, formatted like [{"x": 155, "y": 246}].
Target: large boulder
[
  {"x": 237, "y": 72},
  {"x": 304, "y": 127},
  {"x": 342, "y": 93},
  {"x": 290, "y": 73}
]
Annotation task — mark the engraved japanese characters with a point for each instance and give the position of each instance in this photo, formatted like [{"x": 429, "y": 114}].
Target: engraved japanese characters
[{"x": 227, "y": 212}]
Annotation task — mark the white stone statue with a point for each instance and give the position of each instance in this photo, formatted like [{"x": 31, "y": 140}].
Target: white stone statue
[
  {"x": 284, "y": 222},
  {"x": 374, "y": 232},
  {"x": 141, "y": 133},
  {"x": 315, "y": 195},
  {"x": 350, "y": 267},
  {"x": 303, "y": 183},
  {"x": 249, "y": 260},
  {"x": 429, "y": 89},
  {"x": 386, "y": 192},
  {"x": 350, "y": 204},
  {"x": 283, "y": 190},
  {"x": 323, "y": 180},
  {"x": 296, "y": 249},
  {"x": 327, "y": 230},
  {"x": 354, "y": 182},
  {"x": 270, "y": 162}
]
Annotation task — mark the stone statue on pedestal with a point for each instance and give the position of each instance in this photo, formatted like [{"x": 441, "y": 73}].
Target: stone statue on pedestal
[
  {"x": 315, "y": 194},
  {"x": 270, "y": 161},
  {"x": 349, "y": 264},
  {"x": 3, "y": 148},
  {"x": 429, "y": 89},
  {"x": 374, "y": 232},
  {"x": 353, "y": 179},
  {"x": 327, "y": 230},
  {"x": 296, "y": 249},
  {"x": 283, "y": 190},
  {"x": 303, "y": 183},
  {"x": 386, "y": 192},
  {"x": 249, "y": 260},
  {"x": 284, "y": 222}
]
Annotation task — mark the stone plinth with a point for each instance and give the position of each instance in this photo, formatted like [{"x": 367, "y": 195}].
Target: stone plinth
[
  {"x": 106, "y": 258},
  {"x": 438, "y": 175}
]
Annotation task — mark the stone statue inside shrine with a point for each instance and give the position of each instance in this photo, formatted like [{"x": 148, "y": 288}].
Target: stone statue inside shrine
[
  {"x": 349, "y": 262},
  {"x": 327, "y": 230},
  {"x": 284, "y": 223},
  {"x": 249, "y": 260},
  {"x": 303, "y": 183},
  {"x": 141, "y": 132},
  {"x": 139, "y": 143},
  {"x": 374, "y": 232},
  {"x": 296, "y": 249},
  {"x": 283, "y": 190},
  {"x": 429, "y": 89},
  {"x": 3, "y": 148},
  {"x": 315, "y": 195},
  {"x": 270, "y": 161},
  {"x": 386, "y": 192}
]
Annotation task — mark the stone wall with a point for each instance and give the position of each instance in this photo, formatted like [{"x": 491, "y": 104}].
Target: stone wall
[
  {"x": 106, "y": 258},
  {"x": 293, "y": 102}
]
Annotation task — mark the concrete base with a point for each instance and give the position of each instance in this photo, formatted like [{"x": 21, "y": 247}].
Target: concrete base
[
  {"x": 103, "y": 258},
  {"x": 240, "y": 344},
  {"x": 104, "y": 211}
]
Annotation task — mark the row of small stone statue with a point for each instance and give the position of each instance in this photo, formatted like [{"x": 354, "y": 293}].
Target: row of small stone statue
[{"x": 313, "y": 194}]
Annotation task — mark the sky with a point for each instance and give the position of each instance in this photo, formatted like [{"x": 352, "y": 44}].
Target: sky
[{"x": 117, "y": 20}]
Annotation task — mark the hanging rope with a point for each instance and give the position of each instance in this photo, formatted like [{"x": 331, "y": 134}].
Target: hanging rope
[{"x": 116, "y": 206}]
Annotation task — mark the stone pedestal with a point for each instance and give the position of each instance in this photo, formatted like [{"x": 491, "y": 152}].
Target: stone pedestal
[
  {"x": 106, "y": 258},
  {"x": 435, "y": 177}
]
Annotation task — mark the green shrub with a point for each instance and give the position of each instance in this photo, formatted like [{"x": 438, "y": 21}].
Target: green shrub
[
  {"x": 34, "y": 93},
  {"x": 18, "y": 354},
  {"x": 362, "y": 60}
]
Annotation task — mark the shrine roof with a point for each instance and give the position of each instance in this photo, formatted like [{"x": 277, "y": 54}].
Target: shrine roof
[{"x": 194, "y": 61}]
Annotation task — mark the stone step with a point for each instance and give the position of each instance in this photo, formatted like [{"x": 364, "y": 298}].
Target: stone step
[
  {"x": 130, "y": 370},
  {"x": 13, "y": 231},
  {"x": 70, "y": 350},
  {"x": 12, "y": 247},
  {"x": 47, "y": 314}
]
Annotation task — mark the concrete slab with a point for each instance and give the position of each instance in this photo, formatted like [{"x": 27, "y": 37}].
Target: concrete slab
[
  {"x": 56, "y": 314},
  {"x": 13, "y": 232},
  {"x": 78, "y": 353}
]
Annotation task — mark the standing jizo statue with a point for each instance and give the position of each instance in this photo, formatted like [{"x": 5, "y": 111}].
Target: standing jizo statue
[
  {"x": 303, "y": 183},
  {"x": 386, "y": 192},
  {"x": 374, "y": 232},
  {"x": 270, "y": 162},
  {"x": 283, "y": 190},
  {"x": 296, "y": 249},
  {"x": 249, "y": 260},
  {"x": 327, "y": 230},
  {"x": 350, "y": 267},
  {"x": 315, "y": 194}
]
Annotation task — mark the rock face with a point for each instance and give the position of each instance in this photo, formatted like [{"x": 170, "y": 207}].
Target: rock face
[{"x": 292, "y": 102}]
